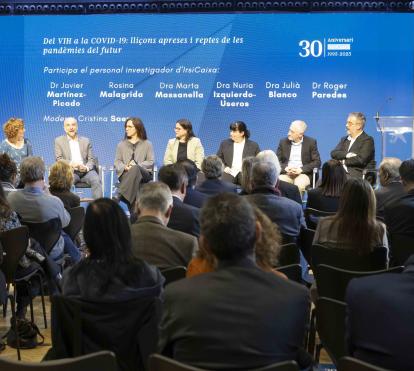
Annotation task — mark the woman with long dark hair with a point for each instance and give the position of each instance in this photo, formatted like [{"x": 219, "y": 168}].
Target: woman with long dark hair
[
  {"x": 110, "y": 272},
  {"x": 354, "y": 226}
]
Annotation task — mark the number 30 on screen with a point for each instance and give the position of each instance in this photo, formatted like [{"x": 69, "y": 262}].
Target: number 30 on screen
[{"x": 313, "y": 48}]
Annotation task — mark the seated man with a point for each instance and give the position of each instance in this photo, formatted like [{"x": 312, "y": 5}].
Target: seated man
[
  {"x": 379, "y": 326},
  {"x": 192, "y": 196},
  {"x": 298, "y": 156},
  {"x": 212, "y": 168},
  {"x": 183, "y": 217},
  {"x": 34, "y": 204},
  {"x": 356, "y": 151},
  {"x": 152, "y": 241},
  {"x": 239, "y": 316},
  {"x": 78, "y": 150}
]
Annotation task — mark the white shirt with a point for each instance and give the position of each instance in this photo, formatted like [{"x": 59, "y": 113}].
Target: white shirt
[
  {"x": 295, "y": 158},
  {"x": 236, "y": 165},
  {"x": 75, "y": 154}
]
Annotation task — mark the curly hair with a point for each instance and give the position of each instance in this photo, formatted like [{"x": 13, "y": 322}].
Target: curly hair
[
  {"x": 12, "y": 127},
  {"x": 61, "y": 176},
  {"x": 8, "y": 168}
]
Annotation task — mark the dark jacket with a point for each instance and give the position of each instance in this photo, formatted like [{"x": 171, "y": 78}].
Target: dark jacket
[
  {"x": 212, "y": 187},
  {"x": 184, "y": 218},
  {"x": 387, "y": 195},
  {"x": 225, "y": 152},
  {"x": 399, "y": 215}
]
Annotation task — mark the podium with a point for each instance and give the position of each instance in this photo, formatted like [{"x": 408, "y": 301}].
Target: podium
[{"x": 394, "y": 126}]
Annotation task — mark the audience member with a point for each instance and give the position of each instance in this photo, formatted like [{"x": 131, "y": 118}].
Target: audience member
[
  {"x": 399, "y": 215},
  {"x": 60, "y": 183},
  {"x": 183, "y": 217},
  {"x": 110, "y": 272},
  {"x": 380, "y": 329},
  {"x": 325, "y": 196},
  {"x": 192, "y": 197},
  {"x": 203, "y": 313},
  {"x": 152, "y": 241},
  {"x": 354, "y": 226},
  {"x": 391, "y": 189},
  {"x": 287, "y": 214},
  {"x": 212, "y": 168},
  {"x": 246, "y": 174},
  {"x": 8, "y": 173},
  {"x": 36, "y": 205},
  {"x": 282, "y": 188}
]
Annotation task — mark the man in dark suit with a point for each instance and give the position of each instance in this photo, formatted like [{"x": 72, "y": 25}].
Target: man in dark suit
[
  {"x": 78, "y": 150},
  {"x": 380, "y": 327},
  {"x": 152, "y": 240},
  {"x": 298, "y": 156},
  {"x": 232, "y": 151},
  {"x": 239, "y": 316},
  {"x": 399, "y": 215},
  {"x": 183, "y": 217},
  {"x": 192, "y": 197},
  {"x": 212, "y": 168},
  {"x": 356, "y": 151},
  {"x": 391, "y": 187}
]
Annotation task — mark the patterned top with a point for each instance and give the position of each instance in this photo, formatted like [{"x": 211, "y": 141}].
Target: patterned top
[
  {"x": 17, "y": 154},
  {"x": 9, "y": 223}
]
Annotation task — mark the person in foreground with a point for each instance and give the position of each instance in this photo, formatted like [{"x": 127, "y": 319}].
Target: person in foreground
[
  {"x": 238, "y": 317},
  {"x": 110, "y": 272},
  {"x": 380, "y": 327}
]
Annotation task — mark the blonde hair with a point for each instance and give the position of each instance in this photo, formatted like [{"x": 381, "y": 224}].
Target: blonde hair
[
  {"x": 61, "y": 176},
  {"x": 12, "y": 127}
]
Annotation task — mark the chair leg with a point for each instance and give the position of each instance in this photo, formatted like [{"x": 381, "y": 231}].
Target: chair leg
[
  {"x": 312, "y": 333},
  {"x": 42, "y": 296},
  {"x": 14, "y": 319},
  {"x": 7, "y": 299}
]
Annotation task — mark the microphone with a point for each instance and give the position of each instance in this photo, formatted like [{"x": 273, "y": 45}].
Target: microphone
[{"x": 377, "y": 115}]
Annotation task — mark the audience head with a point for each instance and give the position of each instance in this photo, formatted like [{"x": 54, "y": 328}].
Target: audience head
[
  {"x": 191, "y": 170},
  {"x": 8, "y": 169},
  {"x": 333, "y": 178},
  {"x": 270, "y": 156},
  {"x": 238, "y": 131},
  {"x": 107, "y": 233},
  {"x": 407, "y": 173},
  {"x": 246, "y": 176},
  {"x": 5, "y": 209},
  {"x": 134, "y": 126},
  {"x": 212, "y": 167},
  {"x": 297, "y": 130},
  {"x": 355, "y": 123},
  {"x": 389, "y": 170},
  {"x": 32, "y": 169},
  {"x": 70, "y": 125},
  {"x": 60, "y": 176},
  {"x": 175, "y": 177},
  {"x": 155, "y": 199},
  {"x": 264, "y": 174},
  {"x": 228, "y": 227},
  {"x": 184, "y": 130},
  {"x": 14, "y": 129}
]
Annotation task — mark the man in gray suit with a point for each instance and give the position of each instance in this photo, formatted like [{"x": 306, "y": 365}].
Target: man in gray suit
[
  {"x": 152, "y": 240},
  {"x": 78, "y": 150}
]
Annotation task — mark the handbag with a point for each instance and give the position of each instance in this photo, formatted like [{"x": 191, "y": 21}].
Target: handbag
[{"x": 27, "y": 332}]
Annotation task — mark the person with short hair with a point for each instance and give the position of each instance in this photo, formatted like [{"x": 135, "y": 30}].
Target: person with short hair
[
  {"x": 152, "y": 240},
  {"x": 212, "y": 168},
  {"x": 247, "y": 318},
  {"x": 192, "y": 196},
  {"x": 356, "y": 151},
  {"x": 183, "y": 217},
  {"x": 78, "y": 151},
  {"x": 184, "y": 146},
  {"x": 8, "y": 173},
  {"x": 232, "y": 151},
  {"x": 60, "y": 183},
  {"x": 298, "y": 155},
  {"x": 16, "y": 146}
]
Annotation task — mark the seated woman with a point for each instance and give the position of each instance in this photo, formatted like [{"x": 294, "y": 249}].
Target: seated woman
[
  {"x": 266, "y": 250},
  {"x": 134, "y": 160},
  {"x": 110, "y": 272},
  {"x": 60, "y": 183},
  {"x": 15, "y": 145},
  {"x": 8, "y": 173},
  {"x": 325, "y": 197},
  {"x": 185, "y": 145},
  {"x": 354, "y": 226}
]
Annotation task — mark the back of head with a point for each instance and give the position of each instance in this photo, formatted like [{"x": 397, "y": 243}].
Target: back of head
[
  {"x": 61, "y": 176},
  {"x": 333, "y": 178},
  {"x": 5, "y": 209},
  {"x": 8, "y": 168},
  {"x": 246, "y": 177},
  {"x": 212, "y": 167},
  {"x": 173, "y": 176},
  {"x": 270, "y": 156},
  {"x": 32, "y": 169},
  {"x": 407, "y": 171},
  {"x": 155, "y": 196},
  {"x": 228, "y": 226},
  {"x": 264, "y": 174},
  {"x": 191, "y": 170},
  {"x": 107, "y": 233}
]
